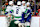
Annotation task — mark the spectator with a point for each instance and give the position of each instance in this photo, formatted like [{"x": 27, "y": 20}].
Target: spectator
[
  {"x": 3, "y": 9},
  {"x": 33, "y": 6},
  {"x": 15, "y": 2},
  {"x": 5, "y": 3},
  {"x": 31, "y": 2},
  {"x": 38, "y": 5}
]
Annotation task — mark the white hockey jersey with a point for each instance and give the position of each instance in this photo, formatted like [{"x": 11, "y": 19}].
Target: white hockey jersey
[
  {"x": 23, "y": 7},
  {"x": 18, "y": 12},
  {"x": 8, "y": 9}
]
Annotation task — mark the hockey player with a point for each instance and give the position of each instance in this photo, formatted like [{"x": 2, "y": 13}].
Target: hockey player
[
  {"x": 23, "y": 4},
  {"x": 27, "y": 15},
  {"x": 17, "y": 15},
  {"x": 24, "y": 8},
  {"x": 9, "y": 11},
  {"x": 3, "y": 9},
  {"x": 28, "y": 4}
]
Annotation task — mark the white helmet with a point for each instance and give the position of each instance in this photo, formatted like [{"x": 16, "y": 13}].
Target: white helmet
[
  {"x": 23, "y": 2},
  {"x": 28, "y": 3},
  {"x": 10, "y": 2},
  {"x": 19, "y": 3}
]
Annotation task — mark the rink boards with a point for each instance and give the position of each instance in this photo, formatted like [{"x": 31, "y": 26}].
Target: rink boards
[
  {"x": 3, "y": 21},
  {"x": 35, "y": 21}
]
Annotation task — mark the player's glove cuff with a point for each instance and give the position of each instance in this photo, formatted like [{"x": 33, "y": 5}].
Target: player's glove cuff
[{"x": 6, "y": 13}]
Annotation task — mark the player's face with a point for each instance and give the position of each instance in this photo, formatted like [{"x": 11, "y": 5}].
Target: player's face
[
  {"x": 3, "y": 7},
  {"x": 27, "y": 5},
  {"x": 23, "y": 4},
  {"x": 11, "y": 4}
]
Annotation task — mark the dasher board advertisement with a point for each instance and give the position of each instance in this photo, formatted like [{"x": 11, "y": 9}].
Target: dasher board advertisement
[
  {"x": 35, "y": 21},
  {"x": 3, "y": 21}
]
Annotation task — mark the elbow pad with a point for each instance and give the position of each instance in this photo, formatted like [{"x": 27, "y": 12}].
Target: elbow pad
[{"x": 11, "y": 11}]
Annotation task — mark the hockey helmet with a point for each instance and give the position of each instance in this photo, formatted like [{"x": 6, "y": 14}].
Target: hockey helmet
[
  {"x": 28, "y": 3},
  {"x": 19, "y": 3},
  {"x": 10, "y": 2},
  {"x": 23, "y": 2}
]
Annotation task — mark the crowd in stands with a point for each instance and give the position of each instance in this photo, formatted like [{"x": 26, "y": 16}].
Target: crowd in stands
[{"x": 35, "y": 6}]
